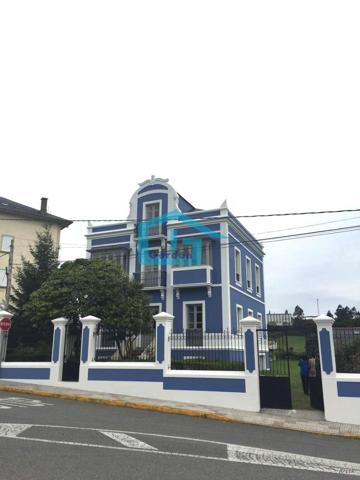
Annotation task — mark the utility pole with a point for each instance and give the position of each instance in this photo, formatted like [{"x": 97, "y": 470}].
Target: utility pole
[
  {"x": 318, "y": 306},
  {"x": 9, "y": 271}
]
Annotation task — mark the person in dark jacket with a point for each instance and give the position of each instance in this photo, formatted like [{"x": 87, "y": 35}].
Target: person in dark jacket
[{"x": 304, "y": 374}]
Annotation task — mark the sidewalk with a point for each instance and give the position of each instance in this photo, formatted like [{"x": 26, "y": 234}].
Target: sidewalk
[{"x": 311, "y": 421}]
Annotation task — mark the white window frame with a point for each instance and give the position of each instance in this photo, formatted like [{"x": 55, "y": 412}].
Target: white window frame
[
  {"x": 248, "y": 262},
  {"x": 185, "y": 320},
  {"x": 159, "y": 261},
  {"x": 5, "y": 235},
  {"x": 259, "y": 317},
  {"x": 238, "y": 252},
  {"x": 250, "y": 312},
  {"x": 151, "y": 202},
  {"x": 156, "y": 305},
  {"x": 239, "y": 308},
  {"x": 3, "y": 276},
  {"x": 257, "y": 280}
]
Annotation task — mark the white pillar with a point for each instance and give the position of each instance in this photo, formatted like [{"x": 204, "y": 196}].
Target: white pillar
[
  {"x": 57, "y": 354},
  {"x": 328, "y": 365},
  {"x": 4, "y": 335},
  {"x": 89, "y": 325},
  {"x": 164, "y": 324},
  {"x": 249, "y": 326}
]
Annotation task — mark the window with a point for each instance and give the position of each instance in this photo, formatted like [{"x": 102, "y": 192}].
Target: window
[
  {"x": 257, "y": 280},
  {"x": 239, "y": 316},
  {"x": 194, "y": 316},
  {"x": 184, "y": 257},
  {"x": 150, "y": 275},
  {"x": 152, "y": 210},
  {"x": 3, "y": 278},
  {"x": 118, "y": 256},
  {"x": 259, "y": 317},
  {"x": 248, "y": 274},
  {"x": 206, "y": 252},
  {"x": 238, "y": 275},
  {"x": 6, "y": 243},
  {"x": 250, "y": 312}
]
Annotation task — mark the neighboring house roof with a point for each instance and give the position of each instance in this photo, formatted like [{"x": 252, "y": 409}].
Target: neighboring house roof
[
  {"x": 279, "y": 318},
  {"x": 18, "y": 210}
]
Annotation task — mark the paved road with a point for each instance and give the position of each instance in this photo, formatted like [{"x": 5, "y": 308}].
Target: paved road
[{"x": 51, "y": 439}]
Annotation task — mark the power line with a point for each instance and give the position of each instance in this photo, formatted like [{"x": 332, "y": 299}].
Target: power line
[{"x": 218, "y": 217}]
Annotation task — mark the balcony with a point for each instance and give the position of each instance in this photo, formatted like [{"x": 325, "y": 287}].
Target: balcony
[
  {"x": 192, "y": 276},
  {"x": 152, "y": 280}
]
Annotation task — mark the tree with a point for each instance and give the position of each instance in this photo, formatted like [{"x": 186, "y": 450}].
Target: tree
[
  {"x": 346, "y": 317},
  {"x": 329, "y": 314},
  {"x": 93, "y": 287},
  {"x": 33, "y": 273},
  {"x": 29, "y": 277},
  {"x": 298, "y": 312}
]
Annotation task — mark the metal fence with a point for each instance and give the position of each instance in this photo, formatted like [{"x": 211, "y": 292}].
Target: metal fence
[
  {"x": 347, "y": 349},
  {"x": 110, "y": 346},
  {"x": 198, "y": 350}
]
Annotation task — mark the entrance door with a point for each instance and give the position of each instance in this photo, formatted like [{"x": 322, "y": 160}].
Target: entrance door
[
  {"x": 274, "y": 369},
  {"x": 72, "y": 348}
]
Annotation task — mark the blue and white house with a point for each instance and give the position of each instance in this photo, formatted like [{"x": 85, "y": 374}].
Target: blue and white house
[{"x": 212, "y": 292}]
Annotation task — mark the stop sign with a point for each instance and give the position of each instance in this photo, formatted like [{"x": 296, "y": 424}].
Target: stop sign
[{"x": 5, "y": 324}]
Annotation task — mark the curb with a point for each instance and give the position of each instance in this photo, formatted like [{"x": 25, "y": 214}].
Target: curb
[{"x": 264, "y": 422}]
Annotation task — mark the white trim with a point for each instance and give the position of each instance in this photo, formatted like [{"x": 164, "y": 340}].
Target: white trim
[
  {"x": 109, "y": 233},
  {"x": 225, "y": 276},
  {"x": 257, "y": 268},
  {"x": 239, "y": 307},
  {"x": 249, "y": 289},
  {"x": 198, "y": 234},
  {"x": 237, "y": 250},
  {"x": 109, "y": 244},
  {"x": 245, "y": 247},
  {"x": 151, "y": 192},
  {"x": 151, "y": 202},
  {"x": 259, "y": 316},
  {"x": 156, "y": 305},
  {"x": 247, "y": 294},
  {"x": 250, "y": 312},
  {"x": 194, "y": 302}
]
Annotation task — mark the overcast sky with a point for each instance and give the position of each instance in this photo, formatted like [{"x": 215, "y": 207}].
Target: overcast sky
[{"x": 254, "y": 101}]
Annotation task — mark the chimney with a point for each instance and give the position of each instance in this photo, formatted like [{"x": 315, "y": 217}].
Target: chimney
[{"x": 43, "y": 208}]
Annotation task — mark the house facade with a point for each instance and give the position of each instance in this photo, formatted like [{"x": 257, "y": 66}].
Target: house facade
[
  {"x": 18, "y": 228},
  {"x": 202, "y": 266}
]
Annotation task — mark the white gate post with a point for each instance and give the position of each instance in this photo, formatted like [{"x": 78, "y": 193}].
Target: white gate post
[
  {"x": 4, "y": 336},
  {"x": 89, "y": 325},
  {"x": 328, "y": 364},
  {"x": 249, "y": 326},
  {"x": 57, "y": 354},
  {"x": 164, "y": 323}
]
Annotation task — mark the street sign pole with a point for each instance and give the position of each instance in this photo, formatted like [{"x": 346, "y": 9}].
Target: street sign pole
[{"x": 5, "y": 324}]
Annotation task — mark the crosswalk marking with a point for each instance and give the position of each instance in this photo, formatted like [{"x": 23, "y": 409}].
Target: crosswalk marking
[
  {"x": 128, "y": 441},
  {"x": 20, "y": 402},
  {"x": 260, "y": 456},
  {"x": 231, "y": 453},
  {"x": 11, "y": 429}
]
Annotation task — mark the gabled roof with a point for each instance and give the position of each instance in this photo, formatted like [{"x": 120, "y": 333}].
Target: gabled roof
[{"x": 18, "y": 210}]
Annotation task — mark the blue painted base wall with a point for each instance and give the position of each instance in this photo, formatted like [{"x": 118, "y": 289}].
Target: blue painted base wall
[{"x": 25, "y": 373}]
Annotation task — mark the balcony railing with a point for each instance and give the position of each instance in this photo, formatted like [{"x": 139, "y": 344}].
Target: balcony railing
[{"x": 151, "y": 279}]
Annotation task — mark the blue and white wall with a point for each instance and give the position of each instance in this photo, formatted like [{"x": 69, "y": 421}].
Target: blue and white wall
[{"x": 215, "y": 287}]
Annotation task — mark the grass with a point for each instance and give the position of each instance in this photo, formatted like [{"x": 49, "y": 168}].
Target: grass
[{"x": 299, "y": 399}]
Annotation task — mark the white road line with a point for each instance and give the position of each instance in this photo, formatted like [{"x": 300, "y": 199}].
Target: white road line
[
  {"x": 12, "y": 429},
  {"x": 273, "y": 458},
  {"x": 236, "y": 453},
  {"x": 20, "y": 402},
  {"x": 3, "y": 406},
  {"x": 128, "y": 441}
]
